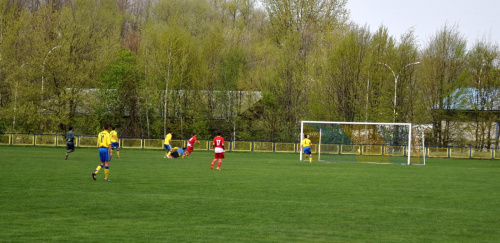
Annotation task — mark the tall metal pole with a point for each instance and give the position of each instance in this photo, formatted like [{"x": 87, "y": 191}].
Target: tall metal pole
[
  {"x": 43, "y": 65},
  {"x": 396, "y": 83}
]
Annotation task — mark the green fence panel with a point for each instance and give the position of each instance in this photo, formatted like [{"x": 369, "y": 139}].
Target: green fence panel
[
  {"x": 437, "y": 152},
  {"x": 477, "y": 153},
  {"x": 329, "y": 149},
  {"x": 23, "y": 139},
  {"x": 5, "y": 139},
  {"x": 45, "y": 140},
  {"x": 350, "y": 149},
  {"x": 152, "y": 143},
  {"x": 372, "y": 149},
  {"x": 263, "y": 146},
  {"x": 87, "y": 141},
  {"x": 460, "y": 152},
  {"x": 284, "y": 147},
  {"x": 132, "y": 143}
]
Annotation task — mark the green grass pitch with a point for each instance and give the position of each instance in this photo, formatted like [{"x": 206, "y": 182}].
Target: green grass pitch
[{"x": 257, "y": 197}]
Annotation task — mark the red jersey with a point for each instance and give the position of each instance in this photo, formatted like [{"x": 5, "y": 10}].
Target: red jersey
[
  {"x": 192, "y": 140},
  {"x": 218, "y": 142}
]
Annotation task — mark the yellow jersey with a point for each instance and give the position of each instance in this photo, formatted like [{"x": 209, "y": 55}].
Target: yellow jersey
[
  {"x": 103, "y": 139},
  {"x": 114, "y": 136},
  {"x": 168, "y": 138},
  {"x": 306, "y": 143}
]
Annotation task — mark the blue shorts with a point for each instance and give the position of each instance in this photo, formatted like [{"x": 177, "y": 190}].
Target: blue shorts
[
  {"x": 307, "y": 150},
  {"x": 167, "y": 147},
  {"x": 115, "y": 145},
  {"x": 103, "y": 154}
]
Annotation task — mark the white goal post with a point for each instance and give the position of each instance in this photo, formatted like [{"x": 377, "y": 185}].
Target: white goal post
[{"x": 369, "y": 142}]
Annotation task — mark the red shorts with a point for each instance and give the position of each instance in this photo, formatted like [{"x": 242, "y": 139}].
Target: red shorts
[
  {"x": 190, "y": 149},
  {"x": 219, "y": 155}
]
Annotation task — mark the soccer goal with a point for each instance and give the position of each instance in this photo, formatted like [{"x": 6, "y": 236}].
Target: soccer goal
[{"x": 365, "y": 142}]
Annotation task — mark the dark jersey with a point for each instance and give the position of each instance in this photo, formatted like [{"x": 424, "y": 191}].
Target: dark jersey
[{"x": 70, "y": 137}]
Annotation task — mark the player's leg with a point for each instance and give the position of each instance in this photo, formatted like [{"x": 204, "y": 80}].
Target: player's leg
[
  {"x": 169, "y": 150},
  {"x": 103, "y": 157},
  {"x": 307, "y": 151},
  {"x": 221, "y": 156},
  {"x": 189, "y": 150},
  {"x": 218, "y": 165},
  {"x": 213, "y": 161},
  {"x": 117, "y": 146},
  {"x": 106, "y": 170},
  {"x": 68, "y": 149}
]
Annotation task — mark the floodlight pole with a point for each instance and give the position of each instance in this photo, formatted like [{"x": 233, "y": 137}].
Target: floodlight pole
[
  {"x": 43, "y": 65},
  {"x": 396, "y": 83}
]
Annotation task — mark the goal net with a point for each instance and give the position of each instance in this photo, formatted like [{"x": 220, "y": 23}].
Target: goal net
[{"x": 365, "y": 142}]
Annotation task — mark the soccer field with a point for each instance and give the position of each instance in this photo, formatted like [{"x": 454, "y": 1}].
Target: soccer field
[{"x": 257, "y": 197}]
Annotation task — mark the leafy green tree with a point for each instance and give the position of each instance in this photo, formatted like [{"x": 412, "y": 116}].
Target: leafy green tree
[
  {"x": 294, "y": 28},
  {"x": 380, "y": 82},
  {"x": 483, "y": 62},
  {"x": 342, "y": 88},
  {"x": 121, "y": 84},
  {"x": 443, "y": 66}
]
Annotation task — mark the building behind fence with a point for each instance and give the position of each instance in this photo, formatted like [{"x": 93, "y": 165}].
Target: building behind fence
[{"x": 82, "y": 141}]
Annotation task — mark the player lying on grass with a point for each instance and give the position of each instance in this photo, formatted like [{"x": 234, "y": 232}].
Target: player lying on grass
[{"x": 177, "y": 152}]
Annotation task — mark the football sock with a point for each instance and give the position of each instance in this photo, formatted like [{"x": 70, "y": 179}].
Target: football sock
[
  {"x": 118, "y": 153},
  {"x": 99, "y": 167},
  {"x": 168, "y": 154},
  {"x": 213, "y": 162},
  {"x": 220, "y": 162},
  {"x": 106, "y": 172}
]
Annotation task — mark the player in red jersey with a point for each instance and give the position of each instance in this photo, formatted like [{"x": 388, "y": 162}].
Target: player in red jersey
[
  {"x": 218, "y": 144},
  {"x": 191, "y": 142}
]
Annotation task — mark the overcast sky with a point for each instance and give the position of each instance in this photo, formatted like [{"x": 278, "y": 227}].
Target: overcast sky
[{"x": 474, "y": 19}]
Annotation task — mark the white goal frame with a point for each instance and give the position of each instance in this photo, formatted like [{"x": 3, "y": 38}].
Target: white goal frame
[{"x": 409, "y": 125}]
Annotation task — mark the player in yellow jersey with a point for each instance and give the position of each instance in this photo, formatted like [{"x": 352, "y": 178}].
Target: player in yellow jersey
[
  {"x": 306, "y": 145},
  {"x": 105, "y": 153},
  {"x": 168, "y": 140},
  {"x": 114, "y": 141}
]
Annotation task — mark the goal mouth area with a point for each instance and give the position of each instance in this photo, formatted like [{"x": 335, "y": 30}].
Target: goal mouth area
[
  {"x": 362, "y": 159},
  {"x": 362, "y": 142}
]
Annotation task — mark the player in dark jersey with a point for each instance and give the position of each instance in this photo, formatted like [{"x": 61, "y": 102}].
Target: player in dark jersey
[{"x": 70, "y": 141}]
